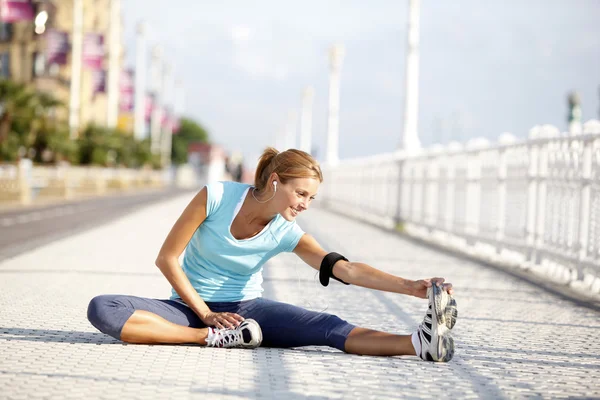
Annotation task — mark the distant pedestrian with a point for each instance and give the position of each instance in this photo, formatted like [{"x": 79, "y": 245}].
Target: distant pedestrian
[{"x": 229, "y": 231}]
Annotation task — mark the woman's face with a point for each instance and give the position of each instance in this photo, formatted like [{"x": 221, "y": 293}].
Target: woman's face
[{"x": 295, "y": 196}]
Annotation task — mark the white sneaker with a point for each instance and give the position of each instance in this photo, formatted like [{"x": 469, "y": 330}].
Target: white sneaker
[
  {"x": 434, "y": 331},
  {"x": 435, "y": 347},
  {"x": 247, "y": 335}
]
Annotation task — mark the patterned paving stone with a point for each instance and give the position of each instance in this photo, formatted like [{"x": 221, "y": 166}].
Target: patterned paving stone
[{"x": 513, "y": 339}]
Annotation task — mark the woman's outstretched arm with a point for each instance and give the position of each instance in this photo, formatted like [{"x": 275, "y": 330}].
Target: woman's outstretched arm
[{"x": 361, "y": 274}]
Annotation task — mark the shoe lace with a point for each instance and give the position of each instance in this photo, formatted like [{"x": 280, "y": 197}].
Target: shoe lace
[{"x": 226, "y": 337}]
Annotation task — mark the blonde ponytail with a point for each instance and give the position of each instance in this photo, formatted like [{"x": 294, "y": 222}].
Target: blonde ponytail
[{"x": 289, "y": 164}]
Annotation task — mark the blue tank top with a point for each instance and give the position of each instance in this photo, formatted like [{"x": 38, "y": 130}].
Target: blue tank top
[{"x": 223, "y": 268}]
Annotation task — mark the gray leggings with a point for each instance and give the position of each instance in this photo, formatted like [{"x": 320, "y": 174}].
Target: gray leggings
[{"x": 282, "y": 325}]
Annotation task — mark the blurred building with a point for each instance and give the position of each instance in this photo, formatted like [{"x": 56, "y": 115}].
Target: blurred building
[
  {"x": 208, "y": 161},
  {"x": 35, "y": 49},
  {"x": 20, "y": 47}
]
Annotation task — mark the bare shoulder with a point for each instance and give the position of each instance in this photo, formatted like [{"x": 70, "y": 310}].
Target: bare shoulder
[
  {"x": 201, "y": 198},
  {"x": 192, "y": 217},
  {"x": 196, "y": 209}
]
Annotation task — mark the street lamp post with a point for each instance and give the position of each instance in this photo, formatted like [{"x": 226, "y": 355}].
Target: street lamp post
[
  {"x": 410, "y": 138},
  {"x": 176, "y": 110},
  {"x": 290, "y": 131},
  {"x": 156, "y": 72},
  {"x": 114, "y": 72},
  {"x": 139, "y": 126},
  {"x": 574, "y": 117},
  {"x": 336, "y": 56},
  {"x": 167, "y": 129},
  {"x": 76, "y": 50},
  {"x": 306, "y": 120}
]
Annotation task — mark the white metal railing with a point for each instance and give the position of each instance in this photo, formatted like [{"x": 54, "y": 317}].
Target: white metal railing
[{"x": 533, "y": 204}]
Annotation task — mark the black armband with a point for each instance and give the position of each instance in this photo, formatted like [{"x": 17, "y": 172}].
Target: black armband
[{"x": 326, "y": 270}]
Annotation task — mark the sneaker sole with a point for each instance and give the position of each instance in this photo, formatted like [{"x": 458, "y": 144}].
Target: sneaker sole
[
  {"x": 448, "y": 346},
  {"x": 446, "y": 318},
  {"x": 438, "y": 310},
  {"x": 449, "y": 314}
]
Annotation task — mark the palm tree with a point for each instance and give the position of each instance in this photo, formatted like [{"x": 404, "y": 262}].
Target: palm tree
[{"x": 26, "y": 119}]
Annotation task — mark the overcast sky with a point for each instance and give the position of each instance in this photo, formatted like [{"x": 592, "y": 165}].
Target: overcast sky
[{"x": 486, "y": 67}]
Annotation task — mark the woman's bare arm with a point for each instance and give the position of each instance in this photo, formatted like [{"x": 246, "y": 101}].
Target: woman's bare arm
[
  {"x": 361, "y": 274},
  {"x": 177, "y": 239}
]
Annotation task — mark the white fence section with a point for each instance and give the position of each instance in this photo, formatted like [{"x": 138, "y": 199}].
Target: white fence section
[
  {"x": 23, "y": 182},
  {"x": 532, "y": 204}
]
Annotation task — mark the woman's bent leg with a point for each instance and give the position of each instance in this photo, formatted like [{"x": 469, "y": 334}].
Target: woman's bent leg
[
  {"x": 141, "y": 320},
  {"x": 144, "y": 327},
  {"x": 286, "y": 325}
]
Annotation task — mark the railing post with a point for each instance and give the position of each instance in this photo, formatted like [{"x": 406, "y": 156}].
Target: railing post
[
  {"x": 421, "y": 175},
  {"x": 501, "y": 222},
  {"x": 450, "y": 193},
  {"x": 431, "y": 217},
  {"x": 475, "y": 180},
  {"x": 398, "y": 217},
  {"x": 409, "y": 190},
  {"x": 584, "y": 209},
  {"x": 63, "y": 173},
  {"x": 532, "y": 204},
  {"x": 539, "y": 175},
  {"x": 24, "y": 180}
]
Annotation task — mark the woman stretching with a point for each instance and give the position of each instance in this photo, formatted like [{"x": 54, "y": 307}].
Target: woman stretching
[{"x": 229, "y": 231}]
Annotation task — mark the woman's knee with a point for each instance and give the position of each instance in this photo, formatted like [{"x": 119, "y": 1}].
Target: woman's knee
[
  {"x": 337, "y": 332},
  {"x": 103, "y": 313},
  {"x": 284, "y": 325}
]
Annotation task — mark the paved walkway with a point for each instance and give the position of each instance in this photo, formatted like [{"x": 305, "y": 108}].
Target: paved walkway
[{"x": 513, "y": 339}]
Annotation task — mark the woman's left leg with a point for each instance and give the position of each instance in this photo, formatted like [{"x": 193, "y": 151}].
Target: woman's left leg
[
  {"x": 286, "y": 325},
  {"x": 375, "y": 343}
]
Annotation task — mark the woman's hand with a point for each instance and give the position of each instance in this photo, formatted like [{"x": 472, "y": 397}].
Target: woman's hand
[
  {"x": 420, "y": 286},
  {"x": 222, "y": 320}
]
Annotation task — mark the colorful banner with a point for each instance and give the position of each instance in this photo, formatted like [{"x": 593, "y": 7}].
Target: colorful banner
[
  {"x": 16, "y": 10},
  {"x": 98, "y": 81},
  {"x": 126, "y": 91},
  {"x": 93, "y": 50},
  {"x": 148, "y": 107},
  {"x": 170, "y": 120},
  {"x": 176, "y": 124},
  {"x": 125, "y": 122},
  {"x": 57, "y": 47},
  {"x": 165, "y": 118}
]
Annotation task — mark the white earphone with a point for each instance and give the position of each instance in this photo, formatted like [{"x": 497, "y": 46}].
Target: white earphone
[{"x": 274, "y": 190}]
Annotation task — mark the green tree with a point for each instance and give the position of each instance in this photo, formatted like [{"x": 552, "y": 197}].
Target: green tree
[
  {"x": 28, "y": 126},
  {"x": 144, "y": 156},
  {"x": 189, "y": 132},
  {"x": 16, "y": 114},
  {"x": 109, "y": 147},
  {"x": 28, "y": 122},
  {"x": 99, "y": 146}
]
